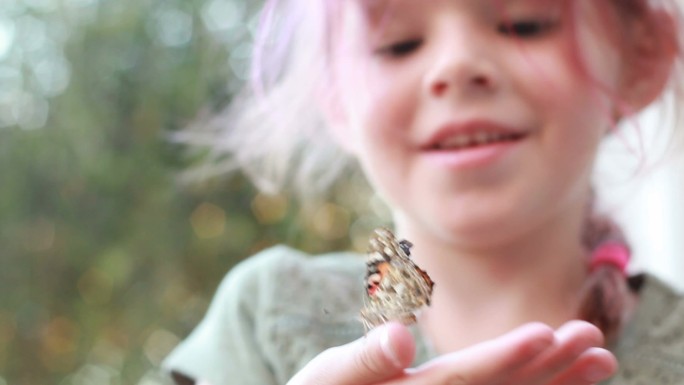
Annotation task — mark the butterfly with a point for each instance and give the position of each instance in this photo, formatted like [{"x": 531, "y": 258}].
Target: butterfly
[{"x": 396, "y": 288}]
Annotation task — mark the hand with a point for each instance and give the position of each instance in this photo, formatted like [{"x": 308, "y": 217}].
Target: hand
[{"x": 533, "y": 354}]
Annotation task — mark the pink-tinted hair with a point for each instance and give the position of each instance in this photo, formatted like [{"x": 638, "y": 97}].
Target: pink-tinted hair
[{"x": 276, "y": 134}]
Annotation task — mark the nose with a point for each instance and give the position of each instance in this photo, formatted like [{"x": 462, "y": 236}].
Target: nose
[{"x": 462, "y": 67}]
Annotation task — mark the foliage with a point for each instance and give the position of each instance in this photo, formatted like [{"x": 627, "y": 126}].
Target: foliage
[{"x": 106, "y": 260}]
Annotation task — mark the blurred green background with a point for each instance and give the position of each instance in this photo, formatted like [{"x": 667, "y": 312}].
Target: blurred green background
[{"x": 107, "y": 260}]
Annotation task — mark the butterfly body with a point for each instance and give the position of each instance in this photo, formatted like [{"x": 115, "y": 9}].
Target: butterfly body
[{"x": 396, "y": 288}]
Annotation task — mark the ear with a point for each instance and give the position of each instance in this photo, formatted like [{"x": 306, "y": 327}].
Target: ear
[{"x": 650, "y": 52}]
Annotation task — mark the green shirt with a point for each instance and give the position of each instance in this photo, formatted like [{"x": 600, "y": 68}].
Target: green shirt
[{"x": 275, "y": 311}]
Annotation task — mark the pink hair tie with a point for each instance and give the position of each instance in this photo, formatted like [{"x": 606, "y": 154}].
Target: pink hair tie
[{"x": 612, "y": 253}]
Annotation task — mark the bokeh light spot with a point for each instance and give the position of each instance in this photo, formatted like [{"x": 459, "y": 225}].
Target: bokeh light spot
[
  {"x": 239, "y": 60},
  {"x": 269, "y": 209},
  {"x": 90, "y": 374},
  {"x": 59, "y": 341},
  {"x": 52, "y": 75},
  {"x": 220, "y": 15},
  {"x": 32, "y": 33},
  {"x": 159, "y": 344},
  {"x": 95, "y": 287},
  {"x": 107, "y": 352},
  {"x": 171, "y": 27},
  {"x": 360, "y": 231},
  {"x": 331, "y": 221},
  {"x": 6, "y": 36},
  {"x": 208, "y": 220}
]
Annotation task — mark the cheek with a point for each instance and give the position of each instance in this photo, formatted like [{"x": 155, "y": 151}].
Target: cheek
[
  {"x": 381, "y": 107},
  {"x": 387, "y": 94},
  {"x": 577, "y": 103},
  {"x": 574, "y": 140},
  {"x": 383, "y": 114},
  {"x": 579, "y": 118},
  {"x": 573, "y": 109}
]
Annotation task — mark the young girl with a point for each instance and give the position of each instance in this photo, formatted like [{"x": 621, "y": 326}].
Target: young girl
[{"x": 478, "y": 123}]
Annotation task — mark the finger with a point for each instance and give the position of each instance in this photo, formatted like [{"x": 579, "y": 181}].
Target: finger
[
  {"x": 488, "y": 362},
  {"x": 383, "y": 354},
  {"x": 572, "y": 339},
  {"x": 593, "y": 366}
]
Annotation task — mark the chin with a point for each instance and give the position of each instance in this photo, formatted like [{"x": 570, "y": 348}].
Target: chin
[{"x": 483, "y": 231}]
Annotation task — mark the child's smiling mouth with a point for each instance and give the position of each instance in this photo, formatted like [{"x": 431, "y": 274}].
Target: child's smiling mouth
[
  {"x": 480, "y": 138},
  {"x": 473, "y": 143},
  {"x": 472, "y": 133}
]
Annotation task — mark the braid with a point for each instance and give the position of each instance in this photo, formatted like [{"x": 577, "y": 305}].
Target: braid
[{"x": 603, "y": 297}]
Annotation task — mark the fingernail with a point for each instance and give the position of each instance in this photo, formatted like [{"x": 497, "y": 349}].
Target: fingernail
[
  {"x": 386, "y": 346},
  {"x": 595, "y": 373}
]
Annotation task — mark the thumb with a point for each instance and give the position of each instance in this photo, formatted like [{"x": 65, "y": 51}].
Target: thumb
[{"x": 383, "y": 354}]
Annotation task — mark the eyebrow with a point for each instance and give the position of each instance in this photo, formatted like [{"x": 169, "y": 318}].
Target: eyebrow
[{"x": 374, "y": 11}]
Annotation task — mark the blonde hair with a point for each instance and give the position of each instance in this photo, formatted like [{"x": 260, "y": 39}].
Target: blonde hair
[{"x": 274, "y": 130}]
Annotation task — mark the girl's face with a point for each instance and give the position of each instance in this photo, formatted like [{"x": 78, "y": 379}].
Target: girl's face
[{"x": 476, "y": 120}]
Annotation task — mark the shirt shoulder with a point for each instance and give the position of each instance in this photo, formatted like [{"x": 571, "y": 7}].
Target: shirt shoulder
[
  {"x": 651, "y": 350},
  {"x": 294, "y": 286},
  {"x": 271, "y": 314},
  {"x": 313, "y": 305}
]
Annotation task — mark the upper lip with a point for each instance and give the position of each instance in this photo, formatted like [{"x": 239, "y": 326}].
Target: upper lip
[{"x": 454, "y": 129}]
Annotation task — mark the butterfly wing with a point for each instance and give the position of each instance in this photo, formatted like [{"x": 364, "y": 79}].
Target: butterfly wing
[{"x": 396, "y": 288}]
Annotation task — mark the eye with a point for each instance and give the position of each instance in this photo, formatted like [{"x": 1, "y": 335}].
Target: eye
[
  {"x": 401, "y": 48},
  {"x": 526, "y": 28}
]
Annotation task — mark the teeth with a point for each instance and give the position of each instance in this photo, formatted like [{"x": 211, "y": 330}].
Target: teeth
[
  {"x": 468, "y": 140},
  {"x": 462, "y": 141}
]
